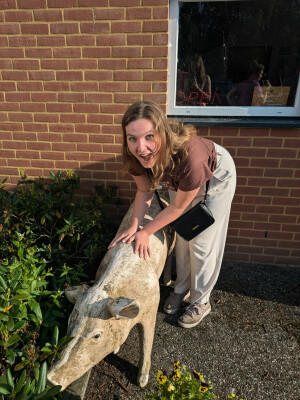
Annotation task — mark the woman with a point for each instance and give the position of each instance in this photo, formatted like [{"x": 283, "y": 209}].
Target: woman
[
  {"x": 198, "y": 83},
  {"x": 250, "y": 92},
  {"x": 177, "y": 159}
]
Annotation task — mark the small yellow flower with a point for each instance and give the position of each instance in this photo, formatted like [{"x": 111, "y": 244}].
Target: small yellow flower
[
  {"x": 7, "y": 308},
  {"x": 161, "y": 377},
  {"x": 203, "y": 389},
  {"x": 176, "y": 377},
  {"x": 171, "y": 387},
  {"x": 176, "y": 366},
  {"x": 199, "y": 375}
]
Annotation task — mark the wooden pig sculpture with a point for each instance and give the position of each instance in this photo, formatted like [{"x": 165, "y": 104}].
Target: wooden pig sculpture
[{"x": 125, "y": 293}]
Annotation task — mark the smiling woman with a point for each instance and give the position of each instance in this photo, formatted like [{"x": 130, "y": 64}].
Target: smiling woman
[{"x": 157, "y": 151}]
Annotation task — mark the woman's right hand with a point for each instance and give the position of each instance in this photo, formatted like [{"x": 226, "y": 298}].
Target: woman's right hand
[{"x": 126, "y": 236}]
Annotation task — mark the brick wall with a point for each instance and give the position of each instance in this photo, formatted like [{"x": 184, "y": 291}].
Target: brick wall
[{"x": 68, "y": 71}]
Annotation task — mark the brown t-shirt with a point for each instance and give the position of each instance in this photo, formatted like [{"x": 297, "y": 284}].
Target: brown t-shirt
[{"x": 195, "y": 169}]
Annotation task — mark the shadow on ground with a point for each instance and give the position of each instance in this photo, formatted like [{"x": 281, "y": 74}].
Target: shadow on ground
[{"x": 250, "y": 340}]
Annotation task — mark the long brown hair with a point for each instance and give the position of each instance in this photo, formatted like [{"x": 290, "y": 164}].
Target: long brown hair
[{"x": 172, "y": 134}]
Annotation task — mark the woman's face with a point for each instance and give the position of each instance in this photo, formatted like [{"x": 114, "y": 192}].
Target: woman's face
[{"x": 143, "y": 142}]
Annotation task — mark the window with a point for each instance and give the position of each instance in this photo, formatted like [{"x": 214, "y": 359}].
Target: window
[{"x": 234, "y": 58}]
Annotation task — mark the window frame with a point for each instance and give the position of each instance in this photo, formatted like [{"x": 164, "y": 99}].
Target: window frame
[{"x": 212, "y": 111}]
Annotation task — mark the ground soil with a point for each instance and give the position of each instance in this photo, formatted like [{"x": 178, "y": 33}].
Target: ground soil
[{"x": 250, "y": 340}]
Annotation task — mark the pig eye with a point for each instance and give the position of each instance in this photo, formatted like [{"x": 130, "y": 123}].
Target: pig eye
[{"x": 97, "y": 336}]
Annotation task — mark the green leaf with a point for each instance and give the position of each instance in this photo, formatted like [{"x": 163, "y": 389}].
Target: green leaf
[
  {"x": 12, "y": 340},
  {"x": 9, "y": 378},
  {"x": 41, "y": 384},
  {"x": 3, "y": 283},
  {"x": 20, "y": 382},
  {"x": 55, "y": 335},
  {"x": 4, "y": 390}
]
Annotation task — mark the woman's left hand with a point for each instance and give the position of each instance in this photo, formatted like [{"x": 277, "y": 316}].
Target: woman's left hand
[{"x": 141, "y": 245}]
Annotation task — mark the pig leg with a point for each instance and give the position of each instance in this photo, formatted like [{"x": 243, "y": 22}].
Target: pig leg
[{"x": 146, "y": 334}]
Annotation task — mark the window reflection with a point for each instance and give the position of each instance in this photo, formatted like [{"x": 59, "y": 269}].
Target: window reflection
[{"x": 238, "y": 53}]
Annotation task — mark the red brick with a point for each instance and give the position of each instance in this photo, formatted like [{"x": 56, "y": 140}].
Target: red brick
[
  {"x": 52, "y": 155},
  {"x": 112, "y": 64},
  {"x": 282, "y": 219},
  {"x": 92, "y": 3},
  {"x": 127, "y": 52},
  {"x": 22, "y": 41},
  {"x": 161, "y": 63},
  {"x": 155, "y": 76},
  {"x": 41, "y": 75},
  {"x": 5, "y": 135},
  {"x": 9, "y": 29},
  {"x": 33, "y": 107},
  {"x": 100, "y": 119},
  {"x": 67, "y": 164},
  {"x": 279, "y": 173},
  {"x": 288, "y": 183},
  {"x": 94, "y": 27},
  {"x": 282, "y": 153},
  {"x": 140, "y": 40},
  {"x": 42, "y": 164},
  {"x": 96, "y": 52},
  {"x": 78, "y": 156},
  {"x": 127, "y": 98},
  {"x": 252, "y": 132},
  {"x": 50, "y": 137},
  {"x": 276, "y": 192},
  {"x": 14, "y": 145},
  {"x": 289, "y": 163},
  {"x": 9, "y": 171},
  {"x": 155, "y": 51},
  {"x": 112, "y": 86},
  {"x": 51, "y": 41},
  {"x": 159, "y": 87},
  {"x": 80, "y": 40},
  {"x": 155, "y": 26},
  {"x": 11, "y": 53},
  {"x": 112, "y": 148},
  {"x": 28, "y": 154},
  {"x": 138, "y": 13},
  {"x": 160, "y": 39},
  {"x": 99, "y": 157},
  {"x": 5, "y": 64},
  {"x": 124, "y": 3},
  {"x": 7, "y": 154},
  {"x": 249, "y": 152},
  {"x": 48, "y": 15},
  {"x": 270, "y": 209},
  {"x": 7, "y": 86},
  {"x": 58, "y": 4},
  {"x": 61, "y": 128},
  {"x": 84, "y": 86},
  {"x": 44, "y": 96},
  {"x": 64, "y": 27},
  {"x": 75, "y": 137},
  {"x": 19, "y": 163},
  {"x": 12, "y": 96},
  {"x": 98, "y": 97},
  {"x": 101, "y": 139},
  {"x": 39, "y": 29},
  {"x": 26, "y": 64},
  {"x": 78, "y": 15},
  {"x": 109, "y": 13},
  {"x": 264, "y": 162},
  {"x": 160, "y": 13},
  {"x": 155, "y": 2},
  {"x": 87, "y": 128},
  {"x": 46, "y": 117},
  {"x": 64, "y": 146},
  {"x": 86, "y": 108},
  {"x": 18, "y": 16},
  {"x": 111, "y": 40},
  {"x": 140, "y": 63},
  {"x": 158, "y": 98},
  {"x": 139, "y": 87},
  {"x": 57, "y": 86},
  {"x": 293, "y": 143},
  {"x": 104, "y": 175},
  {"x": 69, "y": 76},
  {"x": 113, "y": 108},
  {"x": 70, "y": 97},
  {"x": 38, "y": 53},
  {"x": 20, "y": 117},
  {"x": 38, "y": 146},
  {"x": 32, "y": 4},
  {"x": 54, "y": 64},
  {"x": 98, "y": 76},
  {"x": 126, "y": 27},
  {"x": 92, "y": 147},
  {"x": 72, "y": 118},
  {"x": 4, "y": 4},
  {"x": 59, "y": 107},
  {"x": 128, "y": 76},
  {"x": 35, "y": 127},
  {"x": 281, "y": 132},
  {"x": 71, "y": 52}
]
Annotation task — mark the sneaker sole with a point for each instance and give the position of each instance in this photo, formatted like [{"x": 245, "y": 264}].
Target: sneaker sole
[
  {"x": 183, "y": 325},
  {"x": 174, "y": 310}
]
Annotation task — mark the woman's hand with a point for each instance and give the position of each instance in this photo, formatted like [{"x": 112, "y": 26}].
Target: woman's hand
[
  {"x": 126, "y": 236},
  {"x": 142, "y": 244}
]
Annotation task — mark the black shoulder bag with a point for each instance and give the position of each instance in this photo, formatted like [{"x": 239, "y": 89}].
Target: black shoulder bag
[{"x": 194, "y": 221}]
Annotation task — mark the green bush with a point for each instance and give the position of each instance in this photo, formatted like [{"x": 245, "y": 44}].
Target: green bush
[{"x": 48, "y": 240}]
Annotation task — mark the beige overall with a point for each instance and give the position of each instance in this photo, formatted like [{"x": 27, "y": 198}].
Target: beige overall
[{"x": 198, "y": 261}]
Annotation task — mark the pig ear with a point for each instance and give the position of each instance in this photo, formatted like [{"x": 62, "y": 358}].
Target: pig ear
[
  {"x": 124, "y": 308},
  {"x": 73, "y": 292}
]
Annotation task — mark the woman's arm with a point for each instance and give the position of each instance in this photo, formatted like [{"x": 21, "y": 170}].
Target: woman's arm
[
  {"x": 141, "y": 204},
  {"x": 231, "y": 97},
  {"x": 169, "y": 214}
]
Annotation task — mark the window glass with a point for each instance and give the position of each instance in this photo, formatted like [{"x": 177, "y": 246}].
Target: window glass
[{"x": 237, "y": 53}]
